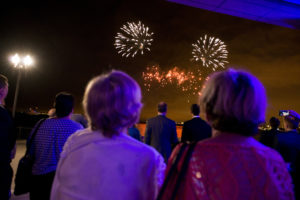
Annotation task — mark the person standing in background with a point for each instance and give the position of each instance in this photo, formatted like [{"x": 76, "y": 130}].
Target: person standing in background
[
  {"x": 48, "y": 144},
  {"x": 7, "y": 142},
  {"x": 161, "y": 132},
  {"x": 77, "y": 117},
  {"x": 134, "y": 132},
  {"x": 288, "y": 145},
  {"x": 195, "y": 129},
  {"x": 267, "y": 137}
]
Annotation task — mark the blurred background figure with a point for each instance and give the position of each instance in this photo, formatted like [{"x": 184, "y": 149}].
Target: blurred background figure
[
  {"x": 102, "y": 161},
  {"x": 77, "y": 117},
  {"x": 134, "y": 132},
  {"x": 48, "y": 144},
  {"x": 51, "y": 113},
  {"x": 7, "y": 142},
  {"x": 32, "y": 111},
  {"x": 195, "y": 129},
  {"x": 232, "y": 164},
  {"x": 267, "y": 136},
  {"x": 288, "y": 145}
]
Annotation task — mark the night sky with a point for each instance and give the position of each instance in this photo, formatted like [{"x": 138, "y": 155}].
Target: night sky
[{"x": 73, "y": 42}]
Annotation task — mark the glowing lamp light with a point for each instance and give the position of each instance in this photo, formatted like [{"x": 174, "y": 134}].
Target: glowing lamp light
[
  {"x": 27, "y": 60},
  {"x": 15, "y": 59},
  {"x": 21, "y": 62}
]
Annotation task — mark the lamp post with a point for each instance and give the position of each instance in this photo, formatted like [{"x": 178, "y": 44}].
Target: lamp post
[{"x": 20, "y": 63}]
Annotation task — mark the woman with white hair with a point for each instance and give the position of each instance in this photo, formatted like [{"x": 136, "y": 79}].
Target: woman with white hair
[
  {"x": 232, "y": 164},
  {"x": 102, "y": 161}
]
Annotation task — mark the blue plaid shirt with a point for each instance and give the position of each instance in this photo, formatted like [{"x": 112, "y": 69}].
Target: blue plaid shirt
[{"x": 48, "y": 143}]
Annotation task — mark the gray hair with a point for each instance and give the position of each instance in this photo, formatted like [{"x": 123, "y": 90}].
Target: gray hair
[
  {"x": 234, "y": 101},
  {"x": 112, "y": 102}
]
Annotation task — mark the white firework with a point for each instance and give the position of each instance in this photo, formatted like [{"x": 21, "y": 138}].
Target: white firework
[
  {"x": 133, "y": 38},
  {"x": 211, "y": 52}
]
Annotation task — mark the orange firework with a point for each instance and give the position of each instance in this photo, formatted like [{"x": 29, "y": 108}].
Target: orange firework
[{"x": 186, "y": 81}]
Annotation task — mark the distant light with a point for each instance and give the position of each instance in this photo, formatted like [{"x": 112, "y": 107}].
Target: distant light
[
  {"x": 21, "y": 62},
  {"x": 15, "y": 59},
  {"x": 27, "y": 60}
]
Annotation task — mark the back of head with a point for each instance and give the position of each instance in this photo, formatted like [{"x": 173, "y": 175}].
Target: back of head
[
  {"x": 112, "y": 102},
  {"x": 234, "y": 101},
  {"x": 292, "y": 120},
  {"x": 274, "y": 122},
  {"x": 162, "y": 107},
  {"x": 195, "y": 109},
  {"x": 51, "y": 112},
  {"x": 64, "y": 103}
]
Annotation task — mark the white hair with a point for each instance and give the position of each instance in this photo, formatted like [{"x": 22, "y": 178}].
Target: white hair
[{"x": 112, "y": 102}]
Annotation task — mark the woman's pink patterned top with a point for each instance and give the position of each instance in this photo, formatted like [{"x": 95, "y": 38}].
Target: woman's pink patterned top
[{"x": 231, "y": 167}]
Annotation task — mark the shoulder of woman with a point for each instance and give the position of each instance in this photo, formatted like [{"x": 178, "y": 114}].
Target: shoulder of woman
[{"x": 77, "y": 139}]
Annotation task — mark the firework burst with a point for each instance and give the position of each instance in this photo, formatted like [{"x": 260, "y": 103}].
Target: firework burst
[
  {"x": 185, "y": 81},
  {"x": 211, "y": 52},
  {"x": 132, "y": 39}
]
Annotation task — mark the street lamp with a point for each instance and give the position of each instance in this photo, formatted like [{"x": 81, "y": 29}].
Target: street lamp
[{"x": 19, "y": 63}]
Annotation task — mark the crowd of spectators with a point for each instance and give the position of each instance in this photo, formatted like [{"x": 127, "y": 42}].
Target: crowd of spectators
[{"x": 104, "y": 157}]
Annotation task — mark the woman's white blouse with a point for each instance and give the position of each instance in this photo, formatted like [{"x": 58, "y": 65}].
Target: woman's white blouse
[{"x": 96, "y": 167}]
